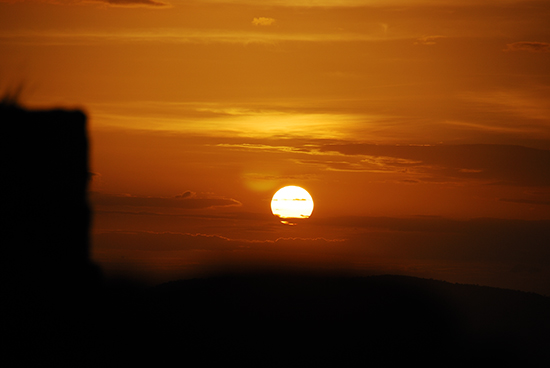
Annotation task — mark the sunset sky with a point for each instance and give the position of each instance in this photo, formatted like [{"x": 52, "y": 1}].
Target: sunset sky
[{"x": 420, "y": 128}]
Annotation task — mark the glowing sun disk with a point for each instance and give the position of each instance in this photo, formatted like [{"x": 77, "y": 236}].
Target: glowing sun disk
[{"x": 292, "y": 202}]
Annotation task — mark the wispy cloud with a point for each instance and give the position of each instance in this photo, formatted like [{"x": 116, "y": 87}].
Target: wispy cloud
[
  {"x": 224, "y": 120},
  {"x": 508, "y": 165},
  {"x": 428, "y": 40},
  {"x": 187, "y": 200},
  {"x": 341, "y": 165},
  {"x": 179, "y": 36},
  {"x": 528, "y": 46},
  {"x": 268, "y": 147},
  {"x": 151, "y": 3},
  {"x": 361, "y": 3},
  {"x": 117, "y": 3},
  {"x": 512, "y": 111}
]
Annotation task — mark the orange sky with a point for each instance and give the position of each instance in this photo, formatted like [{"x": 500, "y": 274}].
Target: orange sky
[{"x": 421, "y": 129}]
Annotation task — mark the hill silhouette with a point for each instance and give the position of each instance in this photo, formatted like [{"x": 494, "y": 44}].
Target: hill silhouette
[
  {"x": 58, "y": 310},
  {"x": 296, "y": 320}
]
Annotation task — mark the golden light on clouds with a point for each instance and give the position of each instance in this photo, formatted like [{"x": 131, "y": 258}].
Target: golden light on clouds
[
  {"x": 292, "y": 202},
  {"x": 223, "y": 120}
]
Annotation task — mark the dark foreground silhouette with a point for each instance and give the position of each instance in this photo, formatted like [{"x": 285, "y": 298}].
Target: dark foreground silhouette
[{"x": 57, "y": 308}]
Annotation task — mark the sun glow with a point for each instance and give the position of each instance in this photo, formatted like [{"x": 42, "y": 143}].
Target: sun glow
[{"x": 292, "y": 202}]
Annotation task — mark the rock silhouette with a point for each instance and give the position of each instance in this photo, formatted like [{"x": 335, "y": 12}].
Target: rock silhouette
[{"x": 58, "y": 309}]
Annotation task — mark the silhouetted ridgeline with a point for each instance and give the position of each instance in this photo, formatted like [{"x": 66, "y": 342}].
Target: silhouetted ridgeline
[
  {"x": 297, "y": 320},
  {"x": 55, "y": 310}
]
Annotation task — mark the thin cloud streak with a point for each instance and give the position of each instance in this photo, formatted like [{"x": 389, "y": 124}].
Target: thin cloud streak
[
  {"x": 135, "y": 3},
  {"x": 194, "y": 241},
  {"x": 528, "y": 46},
  {"x": 225, "y": 121},
  {"x": 507, "y": 165},
  {"x": 182, "y": 36},
  {"x": 114, "y": 3},
  {"x": 528, "y": 105},
  {"x": 365, "y": 3},
  {"x": 190, "y": 201}
]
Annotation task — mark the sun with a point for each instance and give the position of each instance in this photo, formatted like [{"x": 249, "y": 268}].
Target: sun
[{"x": 292, "y": 202}]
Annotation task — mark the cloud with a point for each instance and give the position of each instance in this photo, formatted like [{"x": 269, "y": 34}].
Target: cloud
[
  {"x": 528, "y": 46},
  {"x": 263, "y": 21},
  {"x": 173, "y": 251},
  {"x": 168, "y": 241},
  {"x": 135, "y": 3},
  {"x": 117, "y": 3},
  {"x": 187, "y": 200},
  {"x": 427, "y": 40},
  {"x": 152, "y": 3},
  {"x": 337, "y": 165},
  {"x": 513, "y": 111},
  {"x": 497, "y": 164}
]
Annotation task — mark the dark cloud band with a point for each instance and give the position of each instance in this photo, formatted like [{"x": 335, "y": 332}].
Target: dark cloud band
[
  {"x": 499, "y": 164},
  {"x": 529, "y": 46},
  {"x": 151, "y": 3},
  {"x": 184, "y": 201}
]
